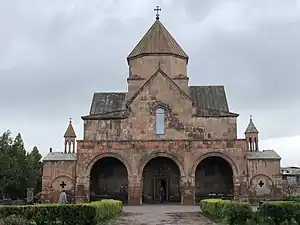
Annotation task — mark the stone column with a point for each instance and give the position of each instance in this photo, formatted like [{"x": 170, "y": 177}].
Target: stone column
[
  {"x": 82, "y": 189},
  {"x": 277, "y": 188},
  {"x": 187, "y": 189},
  {"x": 240, "y": 188},
  {"x": 134, "y": 190},
  {"x": 236, "y": 188}
]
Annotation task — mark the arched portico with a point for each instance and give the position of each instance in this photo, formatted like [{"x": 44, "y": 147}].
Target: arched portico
[
  {"x": 160, "y": 170},
  {"x": 214, "y": 174},
  {"x": 153, "y": 155},
  {"x": 108, "y": 177},
  {"x": 107, "y": 155},
  {"x": 234, "y": 167}
]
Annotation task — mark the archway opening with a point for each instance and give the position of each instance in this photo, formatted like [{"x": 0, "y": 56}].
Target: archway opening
[
  {"x": 109, "y": 180},
  {"x": 161, "y": 173},
  {"x": 213, "y": 178}
]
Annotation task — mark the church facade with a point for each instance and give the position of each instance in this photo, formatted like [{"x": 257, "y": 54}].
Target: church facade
[{"x": 161, "y": 133}]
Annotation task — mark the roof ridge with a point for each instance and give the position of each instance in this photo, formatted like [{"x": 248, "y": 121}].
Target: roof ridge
[
  {"x": 150, "y": 79},
  {"x": 112, "y": 92},
  {"x": 216, "y": 85}
]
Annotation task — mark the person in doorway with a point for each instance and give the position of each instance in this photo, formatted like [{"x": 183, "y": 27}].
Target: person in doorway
[
  {"x": 122, "y": 189},
  {"x": 63, "y": 198},
  {"x": 161, "y": 194}
]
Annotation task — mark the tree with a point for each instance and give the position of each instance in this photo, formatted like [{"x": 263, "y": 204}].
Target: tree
[
  {"x": 6, "y": 171},
  {"x": 35, "y": 168},
  {"x": 290, "y": 186},
  {"x": 19, "y": 170}
]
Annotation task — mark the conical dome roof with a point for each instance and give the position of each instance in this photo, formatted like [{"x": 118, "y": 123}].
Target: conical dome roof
[
  {"x": 251, "y": 128},
  {"x": 157, "y": 40},
  {"x": 70, "y": 133}
]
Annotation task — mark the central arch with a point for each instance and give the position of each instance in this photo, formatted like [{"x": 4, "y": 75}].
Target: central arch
[
  {"x": 109, "y": 180},
  {"x": 213, "y": 178},
  {"x": 161, "y": 173}
]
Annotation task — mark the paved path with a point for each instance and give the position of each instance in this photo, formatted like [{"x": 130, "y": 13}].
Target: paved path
[{"x": 162, "y": 215}]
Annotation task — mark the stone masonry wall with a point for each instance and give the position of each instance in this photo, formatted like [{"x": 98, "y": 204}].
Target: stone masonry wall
[
  {"x": 54, "y": 173},
  {"x": 135, "y": 155},
  {"x": 264, "y": 179},
  {"x": 146, "y": 66},
  {"x": 180, "y": 122}
]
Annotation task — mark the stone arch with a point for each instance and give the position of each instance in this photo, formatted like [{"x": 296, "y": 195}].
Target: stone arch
[
  {"x": 62, "y": 182},
  {"x": 107, "y": 155},
  {"x": 62, "y": 177},
  {"x": 234, "y": 167},
  {"x": 261, "y": 185},
  {"x": 156, "y": 154},
  {"x": 108, "y": 176},
  {"x": 161, "y": 170}
]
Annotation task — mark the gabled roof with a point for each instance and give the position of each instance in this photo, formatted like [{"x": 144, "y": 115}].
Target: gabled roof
[
  {"x": 157, "y": 40},
  {"x": 159, "y": 71},
  {"x": 108, "y": 105},
  {"x": 263, "y": 155},
  {"x": 210, "y": 101},
  {"x": 209, "y": 97},
  {"x": 59, "y": 156}
]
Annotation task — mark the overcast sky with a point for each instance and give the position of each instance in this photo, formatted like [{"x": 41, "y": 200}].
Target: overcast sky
[{"x": 55, "y": 54}]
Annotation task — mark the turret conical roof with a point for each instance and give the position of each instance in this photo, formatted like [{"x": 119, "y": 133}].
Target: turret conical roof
[
  {"x": 251, "y": 128},
  {"x": 70, "y": 133}
]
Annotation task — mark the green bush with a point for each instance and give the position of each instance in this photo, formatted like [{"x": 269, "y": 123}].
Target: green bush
[
  {"x": 231, "y": 212},
  {"x": 14, "y": 220},
  {"x": 74, "y": 214},
  {"x": 107, "y": 209},
  {"x": 280, "y": 212}
]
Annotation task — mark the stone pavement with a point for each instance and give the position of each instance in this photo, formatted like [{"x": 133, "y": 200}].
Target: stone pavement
[{"x": 162, "y": 215}]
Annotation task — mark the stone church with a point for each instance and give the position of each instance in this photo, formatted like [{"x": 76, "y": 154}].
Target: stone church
[{"x": 161, "y": 132}]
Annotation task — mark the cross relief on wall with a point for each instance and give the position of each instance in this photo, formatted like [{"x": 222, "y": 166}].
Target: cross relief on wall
[
  {"x": 261, "y": 183},
  {"x": 63, "y": 185}
]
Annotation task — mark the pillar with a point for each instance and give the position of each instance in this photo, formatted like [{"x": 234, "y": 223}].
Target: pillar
[
  {"x": 240, "y": 188},
  {"x": 134, "y": 190},
  {"x": 187, "y": 189},
  {"x": 277, "y": 188},
  {"x": 82, "y": 189}
]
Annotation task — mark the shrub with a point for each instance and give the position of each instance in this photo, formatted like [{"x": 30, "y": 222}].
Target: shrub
[
  {"x": 232, "y": 212},
  {"x": 280, "y": 212},
  {"x": 14, "y": 220},
  {"x": 107, "y": 209},
  {"x": 74, "y": 214}
]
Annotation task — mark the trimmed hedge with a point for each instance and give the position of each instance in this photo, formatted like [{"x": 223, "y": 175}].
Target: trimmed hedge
[
  {"x": 107, "y": 209},
  {"x": 269, "y": 213},
  {"x": 231, "y": 212},
  {"x": 85, "y": 214},
  {"x": 280, "y": 212}
]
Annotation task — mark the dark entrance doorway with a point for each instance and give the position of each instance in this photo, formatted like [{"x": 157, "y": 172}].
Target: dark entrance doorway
[
  {"x": 214, "y": 178},
  {"x": 161, "y": 172},
  {"x": 109, "y": 180}
]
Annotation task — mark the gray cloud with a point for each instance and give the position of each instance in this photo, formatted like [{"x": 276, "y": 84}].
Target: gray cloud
[{"x": 54, "y": 56}]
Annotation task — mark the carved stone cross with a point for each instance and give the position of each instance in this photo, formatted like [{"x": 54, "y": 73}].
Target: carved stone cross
[
  {"x": 63, "y": 184},
  {"x": 261, "y": 183}
]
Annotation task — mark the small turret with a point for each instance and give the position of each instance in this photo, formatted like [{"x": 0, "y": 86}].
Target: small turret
[
  {"x": 251, "y": 135},
  {"x": 70, "y": 138}
]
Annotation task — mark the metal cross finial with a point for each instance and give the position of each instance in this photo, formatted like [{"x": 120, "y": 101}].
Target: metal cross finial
[
  {"x": 157, "y": 9},
  {"x": 70, "y": 119},
  {"x": 250, "y": 117}
]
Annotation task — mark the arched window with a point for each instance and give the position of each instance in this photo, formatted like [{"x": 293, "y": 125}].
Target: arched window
[{"x": 160, "y": 121}]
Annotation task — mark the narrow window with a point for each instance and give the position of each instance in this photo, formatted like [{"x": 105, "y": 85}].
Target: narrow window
[{"x": 160, "y": 121}]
